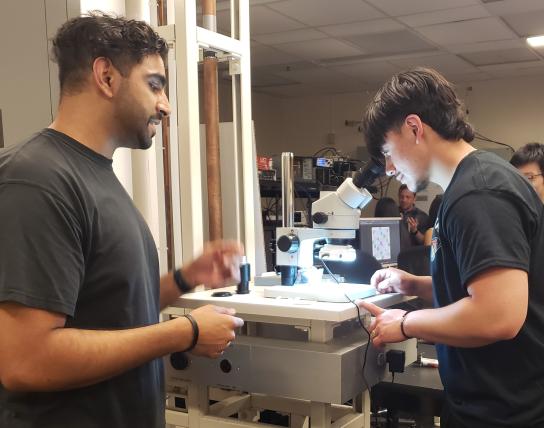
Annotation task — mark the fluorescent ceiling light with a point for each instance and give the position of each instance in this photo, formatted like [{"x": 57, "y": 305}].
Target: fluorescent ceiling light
[{"x": 536, "y": 42}]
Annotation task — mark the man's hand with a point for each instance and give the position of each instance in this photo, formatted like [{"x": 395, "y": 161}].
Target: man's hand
[
  {"x": 392, "y": 280},
  {"x": 385, "y": 327},
  {"x": 217, "y": 266},
  {"x": 216, "y": 327},
  {"x": 412, "y": 224}
]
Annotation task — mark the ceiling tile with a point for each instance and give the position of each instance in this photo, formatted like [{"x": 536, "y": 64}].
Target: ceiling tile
[
  {"x": 500, "y": 56},
  {"x": 319, "y": 49},
  {"x": 290, "y": 36},
  {"x": 265, "y": 55},
  {"x": 404, "y": 7},
  {"x": 264, "y": 20},
  {"x": 475, "y": 30},
  {"x": 517, "y": 72},
  {"x": 266, "y": 79},
  {"x": 469, "y": 77},
  {"x": 487, "y": 46},
  {"x": 323, "y": 12},
  {"x": 312, "y": 76},
  {"x": 390, "y": 43},
  {"x": 442, "y": 16},
  {"x": 537, "y": 65},
  {"x": 365, "y": 27},
  {"x": 291, "y": 66},
  {"x": 508, "y": 7},
  {"x": 256, "y": 2},
  {"x": 371, "y": 73},
  {"x": 444, "y": 63},
  {"x": 527, "y": 24}
]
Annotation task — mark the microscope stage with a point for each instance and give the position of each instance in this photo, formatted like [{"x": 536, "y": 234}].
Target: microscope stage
[{"x": 331, "y": 292}]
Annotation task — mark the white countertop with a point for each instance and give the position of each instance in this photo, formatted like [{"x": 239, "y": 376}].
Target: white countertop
[{"x": 255, "y": 303}]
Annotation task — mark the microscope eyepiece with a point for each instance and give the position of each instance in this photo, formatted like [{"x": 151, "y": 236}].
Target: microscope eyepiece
[{"x": 369, "y": 173}]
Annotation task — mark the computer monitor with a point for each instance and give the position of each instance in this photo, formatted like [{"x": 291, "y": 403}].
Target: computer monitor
[{"x": 380, "y": 237}]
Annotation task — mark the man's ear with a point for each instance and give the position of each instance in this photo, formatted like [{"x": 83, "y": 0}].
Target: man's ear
[
  {"x": 414, "y": 123},
  {"x": 105, "y": 76}
]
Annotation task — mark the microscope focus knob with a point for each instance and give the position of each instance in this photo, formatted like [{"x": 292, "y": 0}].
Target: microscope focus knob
[
  {"x": 320, "y": 218},
  {"x": 288, "y": 243}
]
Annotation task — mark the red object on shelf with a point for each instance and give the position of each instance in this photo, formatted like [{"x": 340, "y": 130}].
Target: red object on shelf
[{"x": 264, "y": 163}]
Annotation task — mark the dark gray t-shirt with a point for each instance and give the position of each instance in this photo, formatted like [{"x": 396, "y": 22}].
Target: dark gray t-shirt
[
  {"x": 71, "y": 241},
  {"x": 490, "y": 217}
]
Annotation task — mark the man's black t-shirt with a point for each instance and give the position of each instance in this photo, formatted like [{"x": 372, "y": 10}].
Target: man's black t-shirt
[
  {"x": 491, "y": 217},
  {"x": 72, "y": 242},
  {"x": 407, "y": 239}
]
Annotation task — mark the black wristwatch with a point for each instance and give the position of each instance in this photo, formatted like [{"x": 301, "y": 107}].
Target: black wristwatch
[
  {"x": 183, "y": 285},
  {"x": 414, "y": 233}
]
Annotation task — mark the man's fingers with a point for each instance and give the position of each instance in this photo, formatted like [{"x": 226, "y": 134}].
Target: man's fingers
[
  {"x": 238, "y": 322},
  {"x": 370, "y": 307},
  {"x": 378, "y": 277},
  {"x": 385, "y": 286},
  {"x": 223, "y": 310}
]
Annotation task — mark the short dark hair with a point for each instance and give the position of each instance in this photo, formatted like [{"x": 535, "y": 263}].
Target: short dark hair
[
  {"x": 420, "y": 91},
  {"x": 532, "y": 152},
  {"x": 81, "y": 40},
  {"x": 405, "y": 187},
  {"x": 386, "y": 207}
]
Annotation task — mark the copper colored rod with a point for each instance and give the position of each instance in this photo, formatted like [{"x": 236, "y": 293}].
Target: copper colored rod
[{"x": 211, "y": 113}]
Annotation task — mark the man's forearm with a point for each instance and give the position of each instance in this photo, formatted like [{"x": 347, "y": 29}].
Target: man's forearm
[
  {"x": 169, "y": 290},
  {"x": 68, "y": 358},
  {"x": 460, "y": 324},
  {"x": 423, "y": 287},
  {"x": 419, "y": 237}
]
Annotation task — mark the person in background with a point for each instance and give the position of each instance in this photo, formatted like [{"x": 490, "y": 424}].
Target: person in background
[
  {"x": 529, "y": 159},
  {"x": 486, "y": 257},
  {"x": 413, "y": 218},
  {"x": 80, "y": 289},
  {"x": 386, "y": 207},
  {"x": 433, "y": 214}
]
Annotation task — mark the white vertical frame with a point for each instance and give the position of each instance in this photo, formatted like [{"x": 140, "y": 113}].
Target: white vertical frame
[
  {"x": 248, "y": 158},
  {"x": 186, "y": 153},
  {"x": 190, "y": 182}
]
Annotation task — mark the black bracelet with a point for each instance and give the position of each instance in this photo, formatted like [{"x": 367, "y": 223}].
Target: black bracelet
[
  {"x": 195, "y": 332},
  {"x": 183, "y": 285},
  {"x": 402, "y": 325}
]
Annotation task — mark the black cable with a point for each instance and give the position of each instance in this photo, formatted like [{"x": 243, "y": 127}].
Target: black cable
[
  {"x": 482, "y": 137},
  {"x": 326, "y": 148},
  {"x": 360, "y": 322}
]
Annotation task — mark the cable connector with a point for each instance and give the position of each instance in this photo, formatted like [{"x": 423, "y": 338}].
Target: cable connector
[{"x": 396, "y": 359}]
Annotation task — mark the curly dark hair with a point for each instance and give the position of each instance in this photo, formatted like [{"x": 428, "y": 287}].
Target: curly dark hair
[
  {"x": 81, "y": 40},
  {"x": 420, "y": 91},
  {"x": 532, "y": 152}
]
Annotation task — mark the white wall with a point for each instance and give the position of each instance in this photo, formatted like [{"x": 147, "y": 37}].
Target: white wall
[
  {"x": 508, "y": 110},
  {"x": 25, "y": 98}
]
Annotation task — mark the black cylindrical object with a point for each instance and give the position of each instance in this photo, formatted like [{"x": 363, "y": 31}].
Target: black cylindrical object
[{"x": 243, "y": 285}]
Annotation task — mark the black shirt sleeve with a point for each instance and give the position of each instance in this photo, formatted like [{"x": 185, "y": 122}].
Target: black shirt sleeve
[
  {"x": 41, "y": 262},
  {"x": 488, "y": 229}
]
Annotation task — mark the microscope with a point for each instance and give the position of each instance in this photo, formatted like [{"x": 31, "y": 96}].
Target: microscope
[{"x": 335, "y": 216}]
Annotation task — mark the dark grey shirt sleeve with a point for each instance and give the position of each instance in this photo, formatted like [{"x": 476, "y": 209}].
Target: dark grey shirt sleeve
[
  {"x": 488, "y": 230},
  {"x": 41, "y": 259}
]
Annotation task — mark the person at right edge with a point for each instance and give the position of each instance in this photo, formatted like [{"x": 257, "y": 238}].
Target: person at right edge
[{"x": 487, "y": 282}]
